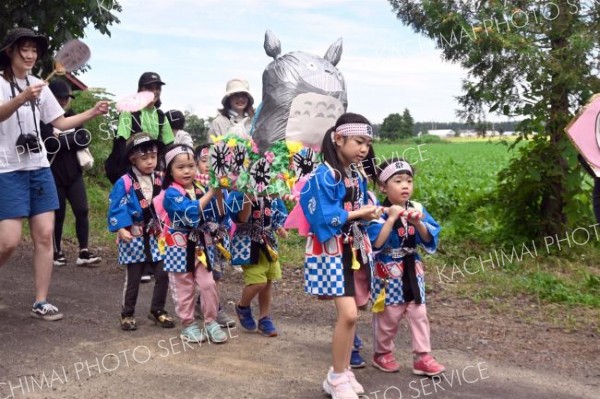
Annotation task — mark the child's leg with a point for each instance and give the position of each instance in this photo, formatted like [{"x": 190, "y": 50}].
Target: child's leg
[
  {"x": 424, "y": 363},
  {"x": 183, "y": 291},
  {"x": 265, "y": 297},
  {"x": 343, "y": 334},
  {"x": 249, "y": 292},
  {"x": 131, "y": 287},
  {"x": 272, "y": 272},
  {"x": 161, "y": 287},
  {"x": 385, "y": 328},
  {"x": 419, "y": 328},
  {"x": 209, "y": 300},
  {"x": 362, "y": 286}
]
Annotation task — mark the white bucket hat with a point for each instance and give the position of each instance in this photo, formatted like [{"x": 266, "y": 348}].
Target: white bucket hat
[{"x": 237, "y": 86}]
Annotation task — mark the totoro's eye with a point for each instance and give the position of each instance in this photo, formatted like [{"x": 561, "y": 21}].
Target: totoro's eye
[{"x": 311, "y": 65}]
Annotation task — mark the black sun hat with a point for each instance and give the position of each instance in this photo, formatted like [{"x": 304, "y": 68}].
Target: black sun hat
[{"x": 18, "y": 33}]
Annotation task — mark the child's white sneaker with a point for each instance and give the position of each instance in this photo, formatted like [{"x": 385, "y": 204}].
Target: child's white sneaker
[{"x": 340, "y": 387}]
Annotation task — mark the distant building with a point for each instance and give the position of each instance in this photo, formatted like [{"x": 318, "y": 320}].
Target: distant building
[
  {"x": 467, "y": 133},
  {"x": 75, "y": 83}
]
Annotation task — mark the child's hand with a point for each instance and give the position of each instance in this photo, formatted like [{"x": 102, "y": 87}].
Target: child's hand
[
  {"x": 281, "y": 232},
  {"x": 125, "y": 235},
  {"x": 370, "y": 212},
  {"x": 394, "y": 211},
  {"x": 413, "y": 215}
]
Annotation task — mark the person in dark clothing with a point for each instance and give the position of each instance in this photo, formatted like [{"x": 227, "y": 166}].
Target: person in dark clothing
[{"x": 62, "y": 150}]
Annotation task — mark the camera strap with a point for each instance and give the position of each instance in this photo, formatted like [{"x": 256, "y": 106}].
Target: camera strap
[{"x": 14, "y": 85}]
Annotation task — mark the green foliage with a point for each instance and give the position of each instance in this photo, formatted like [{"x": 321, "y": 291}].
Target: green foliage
[
  {"x": 538, "y": 70},
  {"x": 396, "y": 126},
  {"x": 407, "y": 124},
  {"x": 424, "y": 139},
  {"x": 391, "y": 127},
  {"x": 197, "y": 127},
  {"x": 102, "y": 130},
  {"x": 551, "y": 288},
  {"x": 60, "y": 21}
]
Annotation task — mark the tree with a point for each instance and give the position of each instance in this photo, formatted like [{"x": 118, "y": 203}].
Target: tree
[
  {"x": 408, "y": 122},
  {"x": 60, "y": 21},
  {"x": 196, "y": 127},
  {"x": 391, "y": 127},
  {"x": 536, "y": 60}
]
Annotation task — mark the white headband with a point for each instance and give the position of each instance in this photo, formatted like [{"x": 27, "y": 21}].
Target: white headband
[
  {"x": 204, "y": 152},
  {"x": 393, "y": 168},
  {"x": 355, "y": 129},
  {"x": 169, "y": 156}
]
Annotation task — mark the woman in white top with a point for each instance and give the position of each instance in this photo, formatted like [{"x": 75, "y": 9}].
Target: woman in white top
[
  {"x": 237, "y": 112},
  {"x": 25, "y": 176}
]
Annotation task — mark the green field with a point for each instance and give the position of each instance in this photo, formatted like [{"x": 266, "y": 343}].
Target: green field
[{"x": 448, "y": 176}]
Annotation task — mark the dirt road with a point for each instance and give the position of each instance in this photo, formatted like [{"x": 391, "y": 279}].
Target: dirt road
[{"x": 86, "y": 355}]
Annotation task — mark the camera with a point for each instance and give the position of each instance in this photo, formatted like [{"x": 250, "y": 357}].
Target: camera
[{"x": 29, "y": 141}]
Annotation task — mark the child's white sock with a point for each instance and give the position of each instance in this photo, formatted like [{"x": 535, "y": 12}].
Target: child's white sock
[{"x": 334, "y": 376}]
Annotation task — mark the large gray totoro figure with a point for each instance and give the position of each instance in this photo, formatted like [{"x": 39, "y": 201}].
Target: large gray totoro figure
[{"x": 303, "y": 95}]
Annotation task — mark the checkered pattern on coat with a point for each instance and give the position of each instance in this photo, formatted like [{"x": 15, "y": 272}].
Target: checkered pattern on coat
[
  {"x": 175, "y": 259},
  {"x": 324, "y": 275},
  {"x": 240, "y": 249},
  {"x": 133, "y": 252},
  {"x": 393, "y": 290},
  {"x": 324, "y": 267}
]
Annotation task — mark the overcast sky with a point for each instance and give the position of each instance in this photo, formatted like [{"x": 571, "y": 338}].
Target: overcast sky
[{"x": 196, "y": 46}]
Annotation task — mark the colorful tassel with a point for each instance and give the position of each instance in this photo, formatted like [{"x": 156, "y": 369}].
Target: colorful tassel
[
  {"x": 224, "y": 252},
  {"x": 162, "y": 245},
  {"x": 272, "y": 253},
  {"x": 355, "y": 262},
  {"x": 201, "y": 256},
  {"x": 379, "y": 304}
]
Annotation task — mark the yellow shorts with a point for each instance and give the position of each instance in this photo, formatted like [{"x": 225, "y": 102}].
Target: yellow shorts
[{"x": 261, "y": 272}]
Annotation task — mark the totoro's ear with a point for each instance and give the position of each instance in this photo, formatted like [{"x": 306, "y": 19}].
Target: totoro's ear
[
  {"x": 334, "y": 52},
  {"x": 272, "y": 44}
]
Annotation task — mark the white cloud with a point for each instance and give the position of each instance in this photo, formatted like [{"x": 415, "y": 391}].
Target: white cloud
[{"x": 196, "y": 46}]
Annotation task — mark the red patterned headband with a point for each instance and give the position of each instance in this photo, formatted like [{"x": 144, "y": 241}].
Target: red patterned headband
[
  {"x": 393, "y": 168},
  {"x": 204, "y": 152},
  {"x": 170, "y": 155}
]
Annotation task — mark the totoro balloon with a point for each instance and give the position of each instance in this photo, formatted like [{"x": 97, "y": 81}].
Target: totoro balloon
[{"x": 303, "y": 95}]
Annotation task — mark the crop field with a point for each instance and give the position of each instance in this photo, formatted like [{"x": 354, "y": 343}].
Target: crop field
[{"x": 450, "y": 175}]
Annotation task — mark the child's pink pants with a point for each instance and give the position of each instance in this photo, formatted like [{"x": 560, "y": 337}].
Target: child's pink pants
[
  {"x": 385, "y": 327},
  {"x": 183, "y": 290}
]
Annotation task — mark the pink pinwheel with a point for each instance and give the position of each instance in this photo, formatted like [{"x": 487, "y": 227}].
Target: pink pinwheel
[{"x": 135, "y": 102}]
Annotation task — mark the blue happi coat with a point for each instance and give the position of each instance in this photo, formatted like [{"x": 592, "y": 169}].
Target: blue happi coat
[
  {"x": 125, "y": 211},
  {"x": 252, "y": 236},
  {"x": 185, "y": 218},
  {"x": 389, "y": 257},
  {"x": 326, "y": 206}
]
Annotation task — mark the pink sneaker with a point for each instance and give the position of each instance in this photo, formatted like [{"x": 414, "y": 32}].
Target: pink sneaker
[
  {"x": 386, "y": 362},
  {"x": 427, "y": 365},
  {"x": 339, "y": 388},
  {"x": 358, "y": 389}
]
